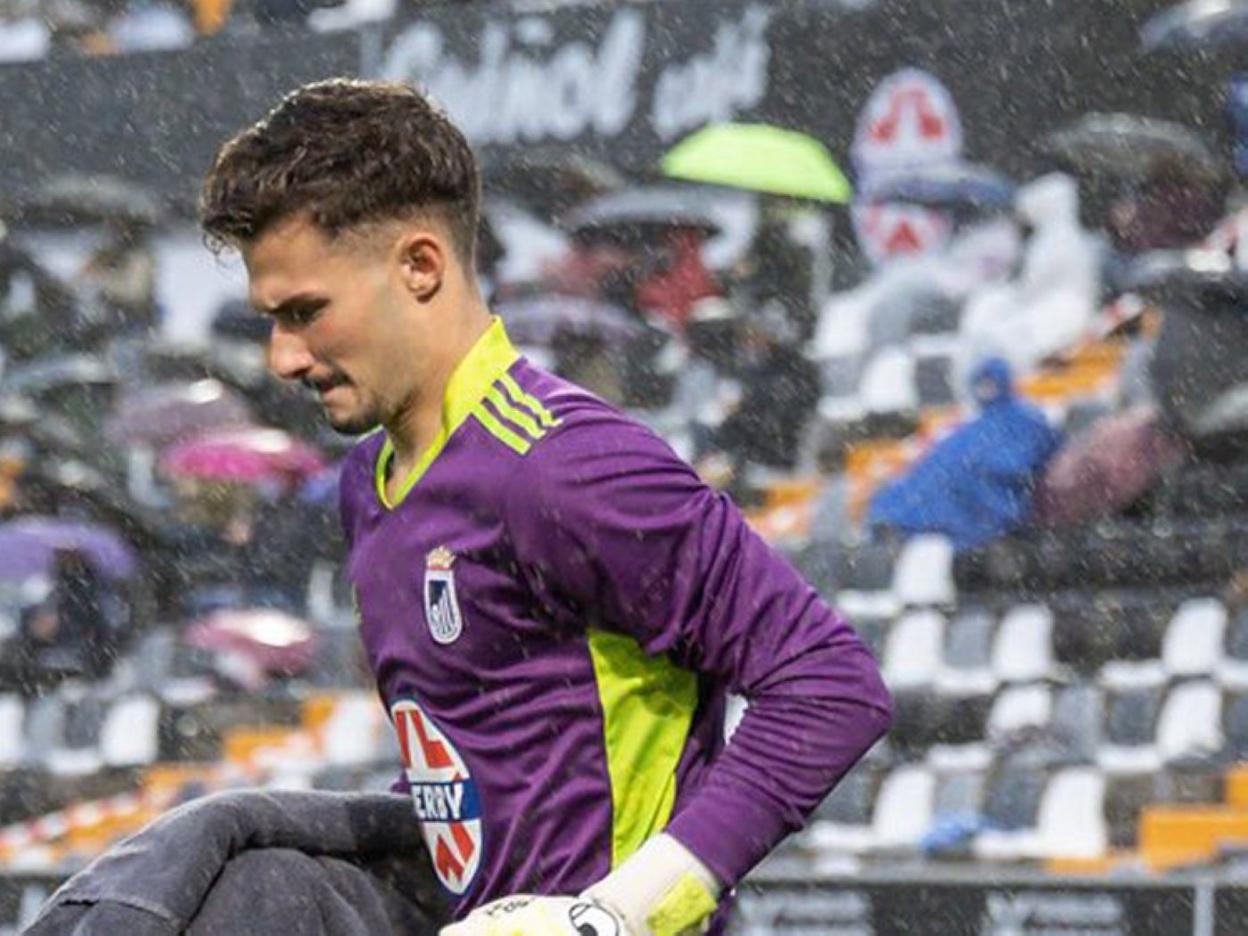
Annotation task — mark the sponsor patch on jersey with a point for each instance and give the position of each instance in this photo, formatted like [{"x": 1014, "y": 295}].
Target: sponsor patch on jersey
[
  {"x": 443, "y": 794},
  {"x": 441, "y": 604}
]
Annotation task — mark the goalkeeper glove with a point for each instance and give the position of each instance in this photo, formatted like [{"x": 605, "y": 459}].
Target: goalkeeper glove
[
  {"x": 662, "y": 889},
  {"x": 524, "y": 915}
]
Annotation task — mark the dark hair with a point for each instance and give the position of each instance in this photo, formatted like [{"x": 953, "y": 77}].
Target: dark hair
[{"x": 346, "y": 152}]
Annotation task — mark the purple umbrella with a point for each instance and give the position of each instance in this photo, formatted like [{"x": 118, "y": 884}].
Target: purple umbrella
[
  {"x": 28, "y": 546},
  {"x": 248, "y": 455},
  {"x": 256, "y": 643},
  {"x": 167, "y": 413}
]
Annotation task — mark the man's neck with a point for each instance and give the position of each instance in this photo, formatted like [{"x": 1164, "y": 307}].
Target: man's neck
[{"x": 417, "y": 425}]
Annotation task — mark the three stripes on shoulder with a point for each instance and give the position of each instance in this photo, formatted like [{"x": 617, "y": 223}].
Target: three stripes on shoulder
[{"x": 514, "y": 417}]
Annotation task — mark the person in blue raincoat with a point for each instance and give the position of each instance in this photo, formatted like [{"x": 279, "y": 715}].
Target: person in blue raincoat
[{"x": 977, "y": 483}]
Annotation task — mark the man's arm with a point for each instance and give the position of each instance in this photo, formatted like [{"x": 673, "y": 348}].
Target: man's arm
[{"x": 618, "y": 529}]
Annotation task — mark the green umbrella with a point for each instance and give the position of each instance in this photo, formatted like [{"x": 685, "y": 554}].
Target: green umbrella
[{"x": 759, "y": 158}]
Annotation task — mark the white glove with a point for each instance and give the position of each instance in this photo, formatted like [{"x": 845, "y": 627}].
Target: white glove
[
  {"x": 662, "y": 889},
  {"x": 525, "y": 915}
]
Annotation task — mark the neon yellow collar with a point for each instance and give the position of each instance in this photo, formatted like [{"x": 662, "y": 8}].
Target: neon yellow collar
[{"x": 485, "y": 362}]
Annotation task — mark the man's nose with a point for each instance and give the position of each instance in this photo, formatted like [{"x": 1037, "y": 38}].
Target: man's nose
[{"x": 288, "y": 355}]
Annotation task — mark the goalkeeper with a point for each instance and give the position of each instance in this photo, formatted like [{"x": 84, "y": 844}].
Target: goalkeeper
[{"x": 553, "y": 605}]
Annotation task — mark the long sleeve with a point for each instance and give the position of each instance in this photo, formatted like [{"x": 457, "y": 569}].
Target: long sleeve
[{"x": 620, "y": 534}]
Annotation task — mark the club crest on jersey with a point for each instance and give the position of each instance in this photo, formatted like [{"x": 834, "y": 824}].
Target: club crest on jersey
[
  {"x": 443, "y": 794},
  {"x": 441, "y": 605}
]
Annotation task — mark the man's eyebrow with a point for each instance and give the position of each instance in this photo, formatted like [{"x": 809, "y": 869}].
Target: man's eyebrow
[{"x": 293, "y": 304}]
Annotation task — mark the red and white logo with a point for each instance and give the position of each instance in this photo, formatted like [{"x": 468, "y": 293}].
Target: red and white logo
[
  {"x": 444, "y": 795},
  {"x": 910, "y": 119}
]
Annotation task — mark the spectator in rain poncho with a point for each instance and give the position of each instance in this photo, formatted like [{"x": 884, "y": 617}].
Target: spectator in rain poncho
[
  {"x": 887, "y": 308},
  {"x": 1049, "y": 305},
  {"x": 977, "y": 484}
]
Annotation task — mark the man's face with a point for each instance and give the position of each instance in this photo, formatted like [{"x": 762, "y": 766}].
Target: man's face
[{"x": 343, "y": 324}]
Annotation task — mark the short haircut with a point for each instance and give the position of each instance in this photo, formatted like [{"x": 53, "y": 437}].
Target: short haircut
[{"x": 344, "y": 152}]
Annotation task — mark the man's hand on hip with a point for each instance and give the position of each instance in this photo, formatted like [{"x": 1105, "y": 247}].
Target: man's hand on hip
[{"x": 523, "y": 915}]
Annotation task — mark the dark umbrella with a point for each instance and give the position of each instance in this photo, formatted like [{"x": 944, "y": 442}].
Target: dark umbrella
[
  {"x": 74, "y": 198},
  {"x": 28, "y": 546},
  {"x": 1131, "y": 146},
  {"x": 550, "y": 180},
  {"x": 539, "y": 320},
  {"x": 53, "y": 373},
  {"x": 658, "y": 206},
  {"x": 1187, "y": 276},
  {"x": 1200, "y": 24},
  {"x": 944, "y": 185}
]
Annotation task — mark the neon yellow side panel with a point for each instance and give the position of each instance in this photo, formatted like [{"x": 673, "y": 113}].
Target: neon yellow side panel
[{"x": 647, "y": 705}]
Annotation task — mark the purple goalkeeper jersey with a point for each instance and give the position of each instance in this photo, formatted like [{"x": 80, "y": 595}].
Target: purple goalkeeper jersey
[{"x": 554, "y": 607}]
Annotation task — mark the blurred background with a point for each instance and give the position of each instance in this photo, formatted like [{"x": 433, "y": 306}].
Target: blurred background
[{"x": 952, "y": 298}]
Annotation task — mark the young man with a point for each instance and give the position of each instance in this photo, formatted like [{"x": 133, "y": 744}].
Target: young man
[{"x": 553, "y": 605}]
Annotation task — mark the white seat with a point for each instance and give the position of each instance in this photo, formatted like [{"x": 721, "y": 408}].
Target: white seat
[
  {"x": 1070, "y": 822},
  {"x": 1190, "y": 721},
  {"x": 1018, "y": 707},
  {"x": 1023, "y": 649},
  {"x": 1193, "y": 642},
  {"x": 888, "y": 382},
  {"x": 355, "y": 731},
  {"x": 1123, "y": 675},
  {"x": 12, "y": 743},
  {"x": 923, "y": 574},
  {"x": 912, "y": 650},
  {"x": 130, "y": 734},
  {"x": 902, "y": 814}
]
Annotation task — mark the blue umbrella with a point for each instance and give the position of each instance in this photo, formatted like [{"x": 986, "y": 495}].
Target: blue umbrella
[
  {"x": 1198, "y": 24},
  {"x": 944, "y": 185},
  {"x": 28, "y": 546}
]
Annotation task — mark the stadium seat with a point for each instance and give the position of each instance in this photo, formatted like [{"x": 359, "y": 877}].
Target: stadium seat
[
  {"x": 887, "y": 383},
  {"x": 1235, "y": 723},
  {"x": 1233, "y": 669},
  {"x": 852, "y": 800},
  {"x": 1077, "y": 721},
  {"x": 841, "y": 374},
  {"x": 1012, "y": 795},
  {"x": 959, "y": 793},
  {"x": 45, "y": 723},
  {"x": 912, "y": 650},
  {"x": 1070, "y": 822},
  {"x": 934, "y": 370},
  {"x": 1131, "y": 716},
  {"x": 1020, "y": 707},
  {"x": 12, "y": 743},
  {"x": 1014, "y": 710},
  {"x": 966, "y": 664},
  {"x": 1023, "y": 650},
  {"x": 130, "y": 735},
  {"x": 1126, "y": 795},
  {"x": 1190, "y": 724},
  {"x": 1142, "y": 620},
  {"x": 1084, "y": 632},
  {"x": 353, "y": 732},
  {"x": 923, "y": 574},
  {"x": 868, "y": 566},
  {"x": 1193, "y": 641},
  {"x": 902, "y": 813}
]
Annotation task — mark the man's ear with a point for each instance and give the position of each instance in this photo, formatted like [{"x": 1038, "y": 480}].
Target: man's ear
[{"x": 422, "y": 263}]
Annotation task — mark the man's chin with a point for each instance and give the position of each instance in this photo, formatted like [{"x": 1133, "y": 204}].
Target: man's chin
[{"x": 351, "y": 425}]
